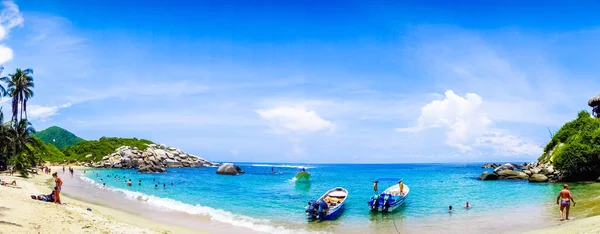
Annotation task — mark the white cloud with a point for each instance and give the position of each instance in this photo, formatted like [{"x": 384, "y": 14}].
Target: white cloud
[
  {"x": 461, "y": 116},
  {"x": 507, "y": 144},
  {"x": 42, "y": 113},
  {"x": 294, "y": 120},
  {"x": 466, "y": 125},
  {"x": 10, "y": 17}
]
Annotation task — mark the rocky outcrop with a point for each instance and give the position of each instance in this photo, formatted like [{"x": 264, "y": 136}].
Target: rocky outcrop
[
  {"x": 153, "y": 159},
  {"x": 542, "y": 171},
  {"x": 488, "y": 176},
  {"x": 538, "y": 178},
  {"x": 229, "y": 169}
]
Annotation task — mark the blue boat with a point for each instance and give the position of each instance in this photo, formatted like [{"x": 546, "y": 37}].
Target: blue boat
[
  {"x": 327, "y": 207},
  {"x": 389, "y": 199}
]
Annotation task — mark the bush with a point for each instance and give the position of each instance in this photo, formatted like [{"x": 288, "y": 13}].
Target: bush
[{"x": 579, "y": 157}]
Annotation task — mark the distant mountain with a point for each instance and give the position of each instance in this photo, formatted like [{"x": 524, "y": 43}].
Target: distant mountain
[{"x": 59, "y": 137}]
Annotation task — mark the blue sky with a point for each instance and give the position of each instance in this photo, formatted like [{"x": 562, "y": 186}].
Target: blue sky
[{"x": 310, "y": 81}]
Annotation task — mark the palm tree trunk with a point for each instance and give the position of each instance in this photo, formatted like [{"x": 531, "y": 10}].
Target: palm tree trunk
[{"x": 25, "y": 107}]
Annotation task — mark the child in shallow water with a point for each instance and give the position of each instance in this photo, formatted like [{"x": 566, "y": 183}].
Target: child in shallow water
[{"x": 450, "y": 207}]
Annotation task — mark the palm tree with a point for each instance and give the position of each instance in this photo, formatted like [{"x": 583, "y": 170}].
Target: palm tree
[
  {"x": 20, "y": 140},
  {"x": 19, "y": 87},
  {"x": 5, "y": 148}
]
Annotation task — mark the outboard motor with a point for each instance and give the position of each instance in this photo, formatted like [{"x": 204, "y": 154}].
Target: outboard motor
[
  {"x": 311, "y": 211},
  {"x": 374, "y": 203},
  {"x": 386, "y": 203},
  {"x": 322, "y": 209}
]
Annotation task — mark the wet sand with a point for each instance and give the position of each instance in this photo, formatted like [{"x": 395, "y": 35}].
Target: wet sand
[{"x": 84, "y": 191}]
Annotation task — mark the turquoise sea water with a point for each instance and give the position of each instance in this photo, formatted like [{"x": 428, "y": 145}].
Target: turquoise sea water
[{"x": 275, "y": 202}]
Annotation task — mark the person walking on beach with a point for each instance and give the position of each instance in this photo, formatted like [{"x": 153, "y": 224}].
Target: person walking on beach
[
  {"x": 57, "y": 187},
  {"x": 565, "y": 198}
]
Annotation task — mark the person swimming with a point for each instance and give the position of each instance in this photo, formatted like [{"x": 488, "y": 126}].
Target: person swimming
[
  {"x": 467, "y": 206},
  {"x": 129, "y": 182},
  {"x": 156, "y": 186},
  {"x": 164, "y": 185},
  {"x": 140, "y": 183},
  {"x": 450, "y": 209}
]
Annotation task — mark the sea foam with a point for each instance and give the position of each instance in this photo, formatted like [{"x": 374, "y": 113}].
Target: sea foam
[
  {"x": 261, "y": 225},
  {"x": 284, "y": 166}
]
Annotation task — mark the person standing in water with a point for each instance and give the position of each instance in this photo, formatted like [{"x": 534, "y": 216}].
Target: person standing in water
[
  {"x": 272, "y": 170},
  {"x": 564, "y": 200}
]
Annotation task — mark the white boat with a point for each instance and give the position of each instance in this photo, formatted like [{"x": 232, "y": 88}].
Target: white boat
[
  {"x": 329, "y": 206},
  {"x": 391, "y": 198}
]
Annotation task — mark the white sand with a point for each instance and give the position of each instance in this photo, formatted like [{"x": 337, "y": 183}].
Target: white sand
[
  {"x": 21, "y": 214},
  {"x": 586, "y": 225}
]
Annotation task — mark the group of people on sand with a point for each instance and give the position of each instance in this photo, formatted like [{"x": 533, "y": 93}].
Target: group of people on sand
[{"x": 55, "y": 195}]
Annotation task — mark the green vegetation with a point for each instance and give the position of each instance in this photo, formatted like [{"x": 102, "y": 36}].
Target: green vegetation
[
  {"x": 100, "y": 148},
  {"x": 47, "y": 152},
  {"x": 59, "y": 137},
  {"x": 575, "y": 148},
  {"x": 15, "y": 135}
]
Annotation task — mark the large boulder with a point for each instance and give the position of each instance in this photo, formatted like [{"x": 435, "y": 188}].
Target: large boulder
[
  {"x": 173, "y": 163},
  {"x": 547, "y": 170},
  {"x": 538, "y": 178},
  {"x": 527, "y": 172},
  {"x": 488, "y": 176},
  {"x": 511, "y": 175},
  {"x": 229, "y": 169},
  {"x": 506, "y": 166}
]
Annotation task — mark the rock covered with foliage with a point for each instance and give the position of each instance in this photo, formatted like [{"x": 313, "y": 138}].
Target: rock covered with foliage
[
  {"x": 575, "y": 149},
  {"x": 154, "y": 158}
]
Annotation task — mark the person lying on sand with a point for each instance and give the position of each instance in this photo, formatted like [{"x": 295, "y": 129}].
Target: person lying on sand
[
  {"x": 12, "y": 184},
  {"x": 42, "y": 197}
]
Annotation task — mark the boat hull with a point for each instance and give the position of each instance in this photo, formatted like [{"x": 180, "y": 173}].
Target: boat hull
[
  {"x": 334, "y": 209},
  {"x": 395, "y": 197},
  {"x": 302, "y": 176}
]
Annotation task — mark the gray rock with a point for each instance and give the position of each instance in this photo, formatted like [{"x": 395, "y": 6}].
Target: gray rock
[
  {"x": 535, "y": 170},
  {"x": 488, "y": 176},
  {"x": 506, "y": 166},
  {"x": 229, "y": 169},
  {"x": 538, "y": 178},
  {"x": 173, "y": 163},
  {"x": 528, "y": 172},
  {"x": 507, "y": 173}
]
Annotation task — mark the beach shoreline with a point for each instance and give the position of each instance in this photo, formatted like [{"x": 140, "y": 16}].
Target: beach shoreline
[
  {"x": 114, "y": 213},
  {"x": 21, "y": 214}
]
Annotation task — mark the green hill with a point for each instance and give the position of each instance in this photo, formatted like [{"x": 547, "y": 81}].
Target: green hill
[
  {"x": 47, "y": 152},
  {"x": 99, "y": 148},
  {"x": 59, "y": 137},
  {"x": 575, "y": 148}
]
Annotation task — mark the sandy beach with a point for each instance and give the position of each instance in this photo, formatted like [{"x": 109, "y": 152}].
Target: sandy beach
[
  {"x": 21, "y": 214},
  {"x": 111, "y": 213}
]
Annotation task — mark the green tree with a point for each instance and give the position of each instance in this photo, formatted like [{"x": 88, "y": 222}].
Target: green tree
[
  {"x": 20, "y": 141},
  {"x": 19, "y": 87}
]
